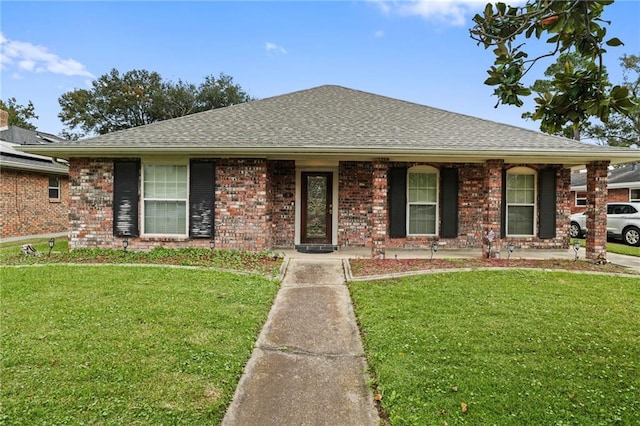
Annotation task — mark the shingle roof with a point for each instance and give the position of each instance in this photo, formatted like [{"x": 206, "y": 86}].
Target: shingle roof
[
  {"x": 620, "y": 177},
  {"x": 10, "y": 158},
  {"x": 20, "y": 136},
  {"x": 332, "y": 119}
]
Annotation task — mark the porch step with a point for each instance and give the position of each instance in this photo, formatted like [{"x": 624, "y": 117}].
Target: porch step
[{"x": 316, "y": 248}]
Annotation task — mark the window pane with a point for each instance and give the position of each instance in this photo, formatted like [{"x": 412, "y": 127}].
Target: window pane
[
  {"x": 422, "y": 219},
  {"x": 165, "y": 217},
  {"x": 520, "y": 220},
  {"x": 54, "y": 187},
  {"x": 635, "y": 195},
  {"x": 423, "y": 187},
  {"x": 165, "y": 182}
]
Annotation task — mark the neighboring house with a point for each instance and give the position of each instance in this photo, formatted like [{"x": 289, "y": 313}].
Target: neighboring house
[
  {"x": 34, "y": 190},
  {"x": 623, "y": 185},
  {"x": 326, "y": 168}
]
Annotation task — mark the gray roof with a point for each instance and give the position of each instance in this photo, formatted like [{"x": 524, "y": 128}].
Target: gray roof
[
  {"x": 11, "y": 158},
  {"x": 627, "y": 176},
  {"x": 20, "y": 136},
  {"x": 339, "y": 122}
]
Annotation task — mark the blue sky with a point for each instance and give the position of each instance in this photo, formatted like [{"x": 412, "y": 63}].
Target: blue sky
[{"x": 419, "y": 51}]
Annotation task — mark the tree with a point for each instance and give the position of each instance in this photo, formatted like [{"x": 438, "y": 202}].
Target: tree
[
  {"x": 19, "y": 115},
  {"x": 622, "y": 129},
  {"x": 573, "y": 26},
  {"x": 138, "y": 97},
  {"x": 544, "y": 86}
]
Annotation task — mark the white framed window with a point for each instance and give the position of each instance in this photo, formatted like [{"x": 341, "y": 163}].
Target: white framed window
[
  {"x": 422, "y": 198},
  {"x": 521, "y": 201},
  {"x": 165, "y": 193},
  {"x": 581, "y": 199},
  {"x": 54, "y": 188},
  {"x": 634, "y": 195}
]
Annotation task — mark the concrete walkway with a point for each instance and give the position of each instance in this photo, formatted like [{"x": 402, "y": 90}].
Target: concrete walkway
[{"x": 308, "y": 366}]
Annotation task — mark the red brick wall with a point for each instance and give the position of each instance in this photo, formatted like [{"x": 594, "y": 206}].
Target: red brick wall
[
  {"x": 480, "y": 208},
  {"x": 379, "y": 208},
  {"x": 596, "y": 240},
  {"x": 355, "y": 186},
  {"x": 25, "y": 207},
  {"x": 255, "y": 206},
  {"x": 90, "y": 212},
  {"x": 243, "y": 211},
  {"x": 242, "y": 217},
  {"x": 282, "y": 193},
  {"x": 617, "y": 195}
]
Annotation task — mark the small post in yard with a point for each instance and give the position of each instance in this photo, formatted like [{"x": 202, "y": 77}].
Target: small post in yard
[
  {"x": 52, "y": 242},
  {"x": 434, "y": 248},
  {"x": 489, "y": 238}
]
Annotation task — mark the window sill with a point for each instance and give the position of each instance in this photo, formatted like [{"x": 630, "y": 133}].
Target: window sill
[
  {"x": 55, "y": 200},
  {"x": 166, "y": 238}
]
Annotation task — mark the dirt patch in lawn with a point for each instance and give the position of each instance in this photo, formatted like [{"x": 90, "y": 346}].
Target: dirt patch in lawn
[{"x": 373, "y": 267}]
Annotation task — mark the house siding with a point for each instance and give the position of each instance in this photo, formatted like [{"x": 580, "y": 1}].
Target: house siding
[
  {"x": 480, "y": 208},
  {"x": 255, "y": 206},
  {"x": 355, "y": 180},
  {"x": 25, "y": 207},
  {"x": 243, "y": 208},
  {"x": 282, "y": 193}
]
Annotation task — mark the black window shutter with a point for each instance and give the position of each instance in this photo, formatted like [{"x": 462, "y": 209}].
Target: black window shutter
[
  {"x": 449, "y": 203},
  {"x": 201, "y": 198},
  {"x": 547, "y": 200},
  {"x": 397, "y": 202},
  {"x": 503, "y": 207},
  {"x": 126, "y": 176}
]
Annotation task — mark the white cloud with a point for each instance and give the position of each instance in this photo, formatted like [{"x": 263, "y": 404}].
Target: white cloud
[
  {"x": 378, "y": 34},
  {"x": 450, "y": 12},
  {"x": 29, "y": 57},
  {"x": 274, "y": 48}
]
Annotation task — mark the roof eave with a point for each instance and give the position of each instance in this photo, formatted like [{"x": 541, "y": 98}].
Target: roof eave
[
  {"x": 34, "y": 168},
  {"x": 567, "y": 157}
]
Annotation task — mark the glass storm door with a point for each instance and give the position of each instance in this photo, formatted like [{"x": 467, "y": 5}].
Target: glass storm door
[{"x": 316, "y": 207}]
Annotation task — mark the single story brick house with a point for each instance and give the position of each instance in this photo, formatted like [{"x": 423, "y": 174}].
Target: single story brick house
[
  {"x": 623, "y": 185},
  {"x": 34, "y": 196},
  {"x": 327, "y": 168}
]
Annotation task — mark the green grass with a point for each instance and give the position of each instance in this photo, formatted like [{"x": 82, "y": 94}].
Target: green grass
[
  {"x": 623, "y": 249},
  {"x": 612, "y": 247},
  {"x": 518, "y": 347},
  {"x": 265, "y": 263},
  {"x": 125, "y": 345}
]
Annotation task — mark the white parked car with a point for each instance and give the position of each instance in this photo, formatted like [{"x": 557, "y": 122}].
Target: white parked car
[{"x": 623, "y": 221}]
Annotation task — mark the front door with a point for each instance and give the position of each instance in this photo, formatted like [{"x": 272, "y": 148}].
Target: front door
[{"x": 316, "y": 207}]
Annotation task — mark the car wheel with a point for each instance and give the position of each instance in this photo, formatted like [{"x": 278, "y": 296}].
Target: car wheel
[
  {"x": 574, "y": 230},
  {"x": 631, "y": 236}
]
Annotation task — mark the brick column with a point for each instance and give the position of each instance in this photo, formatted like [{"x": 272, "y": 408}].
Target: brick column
[
  {"x": 597, "y": 209},
  {"x": 379, "y": 213},
  {"x": 492, "y": 217}
]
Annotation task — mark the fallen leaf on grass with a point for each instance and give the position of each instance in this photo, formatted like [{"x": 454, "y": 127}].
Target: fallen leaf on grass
[
  {"x": 464, "y": 407},
  {"x": 377, "y": 397}
]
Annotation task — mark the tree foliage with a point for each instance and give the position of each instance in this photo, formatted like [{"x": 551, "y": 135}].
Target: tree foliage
[
  {"x": 19, "y": 115},
  {"x": 543, "y": 86},
  {"x": 571, "y": 26},
  {"x": 622, "y": 129},
  {"x": 137, "y": 97}
]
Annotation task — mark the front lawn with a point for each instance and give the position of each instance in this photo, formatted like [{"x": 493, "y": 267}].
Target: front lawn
[
  {"x": 503, "y": 347},
  {"x": 125, "y": 345},
  {"x": 265, "y": 263}
]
